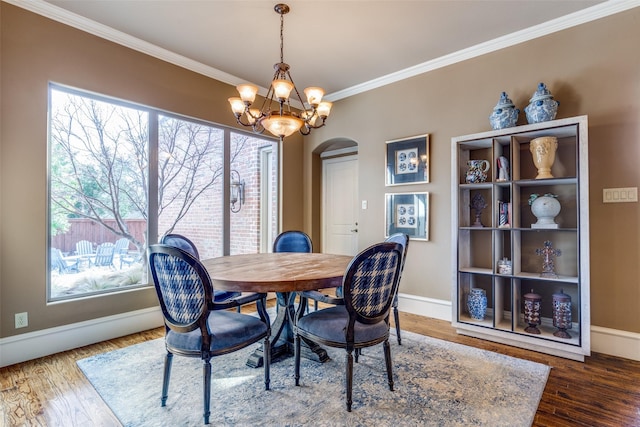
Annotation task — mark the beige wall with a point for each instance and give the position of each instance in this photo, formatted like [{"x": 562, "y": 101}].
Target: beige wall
[
  {"x": 592, "y": 69},
  {"x": 34, "y": 51}
]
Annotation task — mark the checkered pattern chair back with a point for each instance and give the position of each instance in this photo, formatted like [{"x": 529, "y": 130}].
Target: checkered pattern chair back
[
  {"x": 371, "y": 282},
  {"x": 403, "y": 240},
  {"x": 182, "y": 286}
]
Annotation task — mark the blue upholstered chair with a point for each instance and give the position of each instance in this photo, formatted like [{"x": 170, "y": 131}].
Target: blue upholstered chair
[
  {"x": 402, "y": 239},
  {"x": 293, "y": 241},
  {"x": 182, "y": 242},
  {"x": 197, "y": 326},
  {"x": 369, "y": 284}
]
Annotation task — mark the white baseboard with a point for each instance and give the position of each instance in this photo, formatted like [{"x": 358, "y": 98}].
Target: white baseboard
[
  {"x": 31, "y": 345},
  {"x": 613, "y": 342},
  {"x": 429, "y": 307}
]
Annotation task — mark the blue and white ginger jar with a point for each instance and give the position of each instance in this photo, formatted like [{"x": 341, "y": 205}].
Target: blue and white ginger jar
[
  {"x": 477, "y": 303},
  {"x": 504, "y": 115},
  {"x": 542, "y": 107}
]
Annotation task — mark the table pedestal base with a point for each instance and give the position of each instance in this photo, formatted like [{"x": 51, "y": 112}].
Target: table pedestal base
[
  {"x": 282, "y": 344},
  {"x": 308, "y": 349}
]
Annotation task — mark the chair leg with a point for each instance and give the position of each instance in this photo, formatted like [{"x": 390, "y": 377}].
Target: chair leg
[
  {"x": 387, "y": 359},
  {"x": 168, "y": 358},
  {"x": 357, "y": 351},
  {"x": 396, "y": 318},
  {"x": 266, "y": 351},
  {"x": 349, "y": 380},
  {"x": 206, "y": 376},
  {"x": 296, "y": 371}
]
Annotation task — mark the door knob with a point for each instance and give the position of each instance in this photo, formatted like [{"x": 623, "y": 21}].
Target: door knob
[{"x": 355, "y": 230}]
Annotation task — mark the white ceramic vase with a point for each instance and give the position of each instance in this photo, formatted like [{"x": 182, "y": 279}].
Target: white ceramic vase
[{"x": 545, "y": 208}]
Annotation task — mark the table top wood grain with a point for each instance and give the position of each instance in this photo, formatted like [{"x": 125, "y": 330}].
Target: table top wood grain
[{"x": 277, "y": 272}]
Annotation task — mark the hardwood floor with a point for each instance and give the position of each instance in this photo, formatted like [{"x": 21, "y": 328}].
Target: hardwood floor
[{"x": 603, "y": 391}]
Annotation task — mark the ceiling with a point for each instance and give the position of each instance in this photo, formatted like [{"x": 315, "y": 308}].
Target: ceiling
[{"x": 343, "y": 46}]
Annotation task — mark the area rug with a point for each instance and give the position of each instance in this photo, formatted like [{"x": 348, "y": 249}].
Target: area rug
[{"x": 437, "y": 383}]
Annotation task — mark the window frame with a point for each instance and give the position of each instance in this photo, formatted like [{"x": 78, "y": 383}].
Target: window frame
[{"x": 152, "y": 179}]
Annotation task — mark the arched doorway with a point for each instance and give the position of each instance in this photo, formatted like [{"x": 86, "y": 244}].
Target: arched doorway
[{"x": 338, "y": 187}]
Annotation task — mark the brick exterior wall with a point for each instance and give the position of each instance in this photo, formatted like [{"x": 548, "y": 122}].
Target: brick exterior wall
[{"x": 203, "y": 223}]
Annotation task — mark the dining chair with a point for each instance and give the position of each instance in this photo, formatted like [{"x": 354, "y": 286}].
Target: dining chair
[
  {"x": 182, "y": 242},
  {"x": 293, "y": 241},
  {"x": 402, "y": 239},
  {"x": 369, "y": 284},
  {"x": 317, "y": 296},
  {"x": 197, "y": 326}
]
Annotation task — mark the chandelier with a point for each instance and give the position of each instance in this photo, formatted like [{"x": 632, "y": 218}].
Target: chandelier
[{"x": 283, "y": 121}]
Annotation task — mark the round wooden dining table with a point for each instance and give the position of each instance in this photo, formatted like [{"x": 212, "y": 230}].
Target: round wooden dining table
[{"x": 284, "y": 273}]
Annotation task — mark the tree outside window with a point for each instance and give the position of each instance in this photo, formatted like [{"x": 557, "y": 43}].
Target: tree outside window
[{"x": 99, "y": 189}]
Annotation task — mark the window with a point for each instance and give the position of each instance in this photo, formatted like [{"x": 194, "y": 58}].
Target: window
[{"x": 106, "y": 198}]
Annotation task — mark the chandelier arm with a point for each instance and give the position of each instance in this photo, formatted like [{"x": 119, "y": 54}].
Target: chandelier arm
[
  {"x": 256, "y": 126},
  {"x": 309, "y": 126},
  {"x": 268, "y": 99},
  {"x": 304, "y": 105}
]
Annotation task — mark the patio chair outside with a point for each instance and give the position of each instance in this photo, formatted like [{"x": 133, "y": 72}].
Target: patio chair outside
[
  {"x": 84, "y": 247},
  {"x": 104, "y": 255},
  {"x": 62, "y": 264}
]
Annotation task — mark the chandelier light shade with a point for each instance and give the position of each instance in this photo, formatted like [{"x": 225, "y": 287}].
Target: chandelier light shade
[{"x": 276, "y": 114}]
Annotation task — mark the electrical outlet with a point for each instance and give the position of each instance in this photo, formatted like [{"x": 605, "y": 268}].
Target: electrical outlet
[{"x": 22, "y": 320}]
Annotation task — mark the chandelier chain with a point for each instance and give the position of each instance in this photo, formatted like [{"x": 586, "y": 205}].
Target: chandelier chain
[{"x": 281, "y": 37}]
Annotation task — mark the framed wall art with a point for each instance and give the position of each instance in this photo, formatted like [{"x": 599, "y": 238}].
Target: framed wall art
[
  {"x": 407, "y": 160},
  {"x": 408, "y": 213}
]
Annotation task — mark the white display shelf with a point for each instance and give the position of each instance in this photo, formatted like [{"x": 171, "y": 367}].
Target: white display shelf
[{"x": 476, "y": 250}]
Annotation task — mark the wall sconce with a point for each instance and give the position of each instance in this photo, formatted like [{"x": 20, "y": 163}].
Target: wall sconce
[{"x": 237, "y": 191}]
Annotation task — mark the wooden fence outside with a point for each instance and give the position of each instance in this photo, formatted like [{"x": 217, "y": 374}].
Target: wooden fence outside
[{"x": 84, "y": 229}]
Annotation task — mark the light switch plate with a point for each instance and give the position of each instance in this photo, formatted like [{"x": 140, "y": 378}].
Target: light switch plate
[{"x": 620, "y": 195}]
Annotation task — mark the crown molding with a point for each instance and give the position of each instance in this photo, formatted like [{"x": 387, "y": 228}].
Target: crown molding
[
  {"x": 63, "y": 16},
  {"x": 593, "y": 13}
]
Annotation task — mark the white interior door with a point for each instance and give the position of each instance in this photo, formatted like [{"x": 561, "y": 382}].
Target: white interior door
[{"x": 340, "y": 205}]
